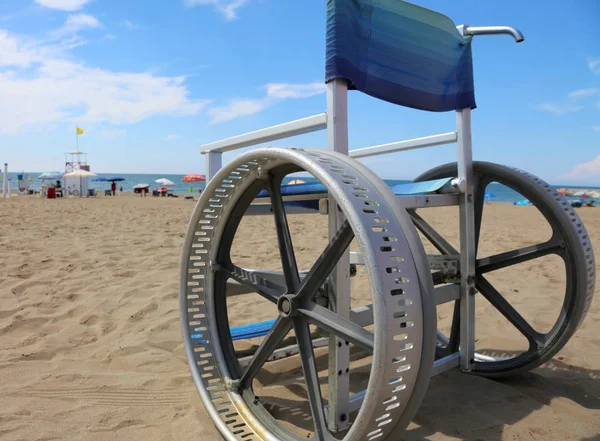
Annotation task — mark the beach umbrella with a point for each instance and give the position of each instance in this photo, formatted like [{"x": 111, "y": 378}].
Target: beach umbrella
[
  {"x": 115, "y": 179},
  {"x": 193, "y": 178},
  {"x": 100, "y": 179},
  {"x": 79, "y": 173},
  {"x": 165, "y": 182},
  {"x": 50, "y": 175},
  {"x": 140, "y": 186}
]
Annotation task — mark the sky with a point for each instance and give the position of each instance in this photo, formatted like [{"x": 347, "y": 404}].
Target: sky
[{"x": 150, "y": 81}]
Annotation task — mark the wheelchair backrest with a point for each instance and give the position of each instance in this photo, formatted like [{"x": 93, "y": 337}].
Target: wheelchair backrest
[{"x": 401, "y": 53}]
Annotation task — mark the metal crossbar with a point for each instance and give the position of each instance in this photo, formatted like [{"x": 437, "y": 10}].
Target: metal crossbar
[
  {"x": 410, "y": 144},
  {"x": 286, "y": 130}
]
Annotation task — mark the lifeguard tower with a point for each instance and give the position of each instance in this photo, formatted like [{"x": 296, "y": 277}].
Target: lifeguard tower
[{"x": 77, "y": 185}]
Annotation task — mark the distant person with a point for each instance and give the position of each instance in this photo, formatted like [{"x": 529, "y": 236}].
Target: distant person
[
  {"x": 58, "y": 187},
  {"x": 113, "y": 188},
  {"x": 200, "y": 190}
]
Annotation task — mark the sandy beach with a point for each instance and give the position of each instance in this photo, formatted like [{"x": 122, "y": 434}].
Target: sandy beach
[{"x": 90, "y": 341}]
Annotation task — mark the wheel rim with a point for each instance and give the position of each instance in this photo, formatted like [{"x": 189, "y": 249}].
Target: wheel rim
[
  {"x": 568, "y": 241},
  {"x": 225, "y": 387}
]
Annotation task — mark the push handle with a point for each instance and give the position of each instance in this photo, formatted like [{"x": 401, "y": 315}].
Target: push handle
[{"x": 492, "y": 30}]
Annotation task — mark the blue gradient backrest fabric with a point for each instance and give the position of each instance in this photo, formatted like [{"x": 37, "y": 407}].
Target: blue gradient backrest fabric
[{"x": 399, "y": 52}]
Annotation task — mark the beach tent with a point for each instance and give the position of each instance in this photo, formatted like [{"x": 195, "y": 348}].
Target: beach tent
[
  {"x": 77, "y": 187},
  {"x": 139, "y": 188}
]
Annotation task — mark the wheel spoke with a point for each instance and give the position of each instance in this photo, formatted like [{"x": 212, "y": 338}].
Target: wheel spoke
[
  {"x": 311, "y": 377},
  {"x": 515, "y": 257},
  {"x": 326, "y": 262},
  {"x": 442, "y": 245},
  {"x": 288, "y": 259},
  {"x": 337, "y": 325},
  {"x": 507, "y": 310},
  {"x": 277, "y": 333},
  {"x": 267, "y": 289}
]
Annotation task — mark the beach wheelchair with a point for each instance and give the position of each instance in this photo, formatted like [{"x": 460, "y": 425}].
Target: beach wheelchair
[{"x": 379, "y": 355}]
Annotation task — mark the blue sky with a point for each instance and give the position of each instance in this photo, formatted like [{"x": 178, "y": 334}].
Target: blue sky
[{"x": 151, "y": 80}]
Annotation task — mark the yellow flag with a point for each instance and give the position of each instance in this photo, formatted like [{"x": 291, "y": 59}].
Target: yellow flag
[{"x": 79, "y": 131}]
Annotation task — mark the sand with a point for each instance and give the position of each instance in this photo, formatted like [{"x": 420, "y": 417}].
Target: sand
[{"x": 90, "y": 343}]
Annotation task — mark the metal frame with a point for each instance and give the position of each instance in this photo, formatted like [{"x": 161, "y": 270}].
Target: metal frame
[
  {"x": 467, "y": 240},
  {"x": 335, "y": 121},
  {"x": 339, "y": 389}
]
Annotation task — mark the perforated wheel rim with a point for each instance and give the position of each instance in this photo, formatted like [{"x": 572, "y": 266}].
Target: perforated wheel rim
[
  {"x": 390, "y": 268},
  {"x": 578, "y": 256}
]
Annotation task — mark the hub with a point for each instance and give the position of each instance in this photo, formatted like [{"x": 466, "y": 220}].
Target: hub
[{"x": 285, "y": 306}]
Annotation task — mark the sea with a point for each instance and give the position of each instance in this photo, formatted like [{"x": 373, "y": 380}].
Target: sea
[{"x": 500, "y": 193}]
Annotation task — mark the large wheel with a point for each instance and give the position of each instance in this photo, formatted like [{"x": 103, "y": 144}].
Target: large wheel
[
  {"x": 402, "y": 341},
  {"x": 568, "y": 240}
]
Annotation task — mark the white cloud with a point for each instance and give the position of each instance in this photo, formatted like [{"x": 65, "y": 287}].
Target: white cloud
[
  {"x": 171, "y": 137},
  {"x": 275, "y": 92},
  {"x": 558, "y": 109},
  {"x": 40, "y": 84},
  {"x": 589, "y": 169},
  {"x": 16, "y": 55},
  {"x": 228, "y": 8},
  {"x": 596, "y": 128},
  {"x": 283, "y": 90},
  {"x": 76, "y": 23},
  {"x": 110, "y": 37},
  {"x": 583, "y": 93},
  {"x": 63, "y": 5},
  {"x": 235, "y": 109},
  {"x": 594, "y": 65}
]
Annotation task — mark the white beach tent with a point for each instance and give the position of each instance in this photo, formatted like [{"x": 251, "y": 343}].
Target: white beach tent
[{"x": 74, "y": 187}]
